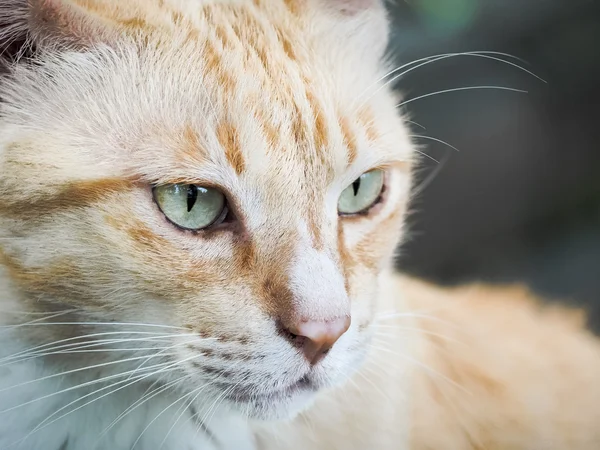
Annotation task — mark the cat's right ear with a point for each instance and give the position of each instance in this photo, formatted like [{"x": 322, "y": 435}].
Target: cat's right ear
[{"x": 28, "y": 24}]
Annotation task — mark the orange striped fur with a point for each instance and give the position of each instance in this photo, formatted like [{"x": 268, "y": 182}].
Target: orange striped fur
[{"x": 280, "y": 105}]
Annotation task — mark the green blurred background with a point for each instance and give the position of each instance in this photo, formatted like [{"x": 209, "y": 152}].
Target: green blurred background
[{"x": 520, "y": 201}]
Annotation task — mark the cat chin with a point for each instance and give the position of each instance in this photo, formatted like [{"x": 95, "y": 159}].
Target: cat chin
[
  {"x": 276, "y": 411},
  {"x": 276, "y": 406}
]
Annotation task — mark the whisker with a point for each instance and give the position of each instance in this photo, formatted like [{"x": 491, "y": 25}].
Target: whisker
[
  {"x": 202, "y": 423},
  {"x": 129, "y": 324},
  {"x": 41, "y": 427},
  {"x": 465, "y": 88},
  {"x": 142, "y": 377},
  {"x": 184, "y": 407},
  {"x": 377, "y": 388},
  {"x": 207, "y": 418},
  {"x": 356, "y": 386},
  {"x": 403, "y": 66},
  {"x": 45, "y": 424},
  {"x": 426, "y": 155},
  {"x": 484, "y": 55},
  {"x": 145, "y": 398},
  {"x": 417, "y": 331},
  {"x": 382, "y": 369},
  {"x": 418, "y": 136},
  {"x": 88, "y": 347},
  {"x": 421, "y": 365},
  {"x": 161, "y": 413},
  {"x": 112, "y": 333},
  {"x": 47, "y": 377},
  {"x": 7, "y": 328},
  {"x": 181, "y": 398},
  {"x": 179, "y": 344},
  {"x": 416, "y": 316},
  {"x": 104, "y": 350},
  {"x": 442, "y": 346},
  {"x": 117, "y": 383},
  {"x": 432, "y": 59},
  {"x": 210, "y": 412},
  {"x": 417, "y": 190},
  {"x": 35, "y": 313},
  {"x": 415, "y": 123}
]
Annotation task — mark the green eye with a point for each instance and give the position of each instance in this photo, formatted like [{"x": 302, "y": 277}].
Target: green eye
[
  {"x": 361, "y": 195},
  {"x": 191, "y": 207}
]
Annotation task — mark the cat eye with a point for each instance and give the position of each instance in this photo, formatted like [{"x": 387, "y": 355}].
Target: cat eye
[
  {"x": 191, "y": 207},
  {"x": 363, "y": 194}
]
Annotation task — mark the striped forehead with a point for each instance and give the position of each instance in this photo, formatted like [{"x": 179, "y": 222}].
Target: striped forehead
[
  {"x": 250, "y": 87},
  {"x": 276, "y": 93},
  {"x": 275, "y": 107}
]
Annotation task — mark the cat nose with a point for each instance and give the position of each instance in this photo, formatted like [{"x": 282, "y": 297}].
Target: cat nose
[{"x": 315, "y": 338}]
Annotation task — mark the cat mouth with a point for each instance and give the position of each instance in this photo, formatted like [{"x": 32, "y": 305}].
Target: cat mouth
[{"x": 241, "y": 394}]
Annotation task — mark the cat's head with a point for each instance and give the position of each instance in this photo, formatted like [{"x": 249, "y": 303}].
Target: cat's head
[{"x": 235, "y": 170}]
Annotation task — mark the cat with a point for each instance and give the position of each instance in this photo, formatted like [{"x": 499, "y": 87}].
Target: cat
[{"x": 200, "y": 202}]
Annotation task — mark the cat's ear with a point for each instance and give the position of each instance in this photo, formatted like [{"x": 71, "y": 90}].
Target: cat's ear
[
  {"x": 352, "y": 7},
  {"x": 365, "y": 23},
  {"x": 65, "y": 21},
  {"x": 40, "y": 23}
]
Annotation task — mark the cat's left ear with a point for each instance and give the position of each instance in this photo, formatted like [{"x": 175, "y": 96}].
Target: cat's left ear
[
  {"x": 365, "y": 23},
  {"x": 68, "y": 22},
  {"x": 45, "y": 23},
  {"x": 352, "y": 7}
]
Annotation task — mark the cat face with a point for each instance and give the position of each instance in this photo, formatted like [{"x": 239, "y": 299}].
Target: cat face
[{"x": 231, "y": 169}]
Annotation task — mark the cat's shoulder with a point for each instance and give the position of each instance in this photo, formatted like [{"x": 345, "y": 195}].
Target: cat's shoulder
[
  {"x": 497, "y": 358},
  {"x": 502, "y": 304}
]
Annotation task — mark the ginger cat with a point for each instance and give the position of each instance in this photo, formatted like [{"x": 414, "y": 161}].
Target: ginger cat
[{"x": 199, "y": 206}]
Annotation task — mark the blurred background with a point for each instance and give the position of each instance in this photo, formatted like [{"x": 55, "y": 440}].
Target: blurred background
[{"x": 520, "y": 200}]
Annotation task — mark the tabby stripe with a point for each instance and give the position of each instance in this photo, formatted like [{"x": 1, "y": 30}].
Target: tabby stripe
[{"x": 68, "y": 196}]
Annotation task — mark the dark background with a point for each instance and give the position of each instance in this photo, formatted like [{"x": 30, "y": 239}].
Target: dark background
[{"x": 520, "y": 201}]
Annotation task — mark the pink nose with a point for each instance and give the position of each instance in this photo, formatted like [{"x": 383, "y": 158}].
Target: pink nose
[{"x": 316, "y": 338}]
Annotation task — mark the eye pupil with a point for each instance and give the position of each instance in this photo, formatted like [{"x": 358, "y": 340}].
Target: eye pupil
[
  {"x": 362, "y": 194},
  {"x": 356, "y": 187},
  {"x": 191, "y": 207},
  {"x": 192, "y": 197}
]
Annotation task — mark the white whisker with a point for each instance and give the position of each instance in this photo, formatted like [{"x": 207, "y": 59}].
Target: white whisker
[
  {"x": 142, "y": 377},
  {"x": 417, "y": 331},
  {"x": 162, "y": 412},
  {"x": 87, "y": 348},
  {"x": 35, "y": 313},
  {"x": 408, "y": 315},
  {"x": 426, "y": 156},
  {"x": 210, "y": 384},
  {"x": 48, "y": 346},
  {"x": 416, "y": 191},
  {"x": 377, "y": 388},
  {"x": 129, "y": 324},
  {"x": 421, "y": 365},
  {"x": 416, "y": 64},
  {"x": 47, "y": 424},
  {"x": 146, "y": 397},
  {"x": 465, "y": 88},
  {"x": 418, "y": 136},
  {"x": 117, "y": 383},
  {"x": 415, "y": 123},
  {"x": 403, "y": 66},
  {"x": 179, "y": 344},
  {"x": 184, "y": 407},
  {"x": 55, "y": 375}
]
